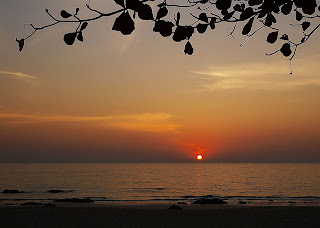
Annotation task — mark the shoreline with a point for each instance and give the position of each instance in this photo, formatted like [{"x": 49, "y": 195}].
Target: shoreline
[{"x": 158, "y": 215}]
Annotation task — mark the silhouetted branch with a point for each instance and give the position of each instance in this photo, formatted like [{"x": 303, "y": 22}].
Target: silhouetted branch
[{"x": 211, "y": 14}]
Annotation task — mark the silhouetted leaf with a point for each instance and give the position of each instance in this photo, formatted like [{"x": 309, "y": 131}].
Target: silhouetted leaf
[
  {"x": 286, "y": 8},
  {"x": 309, "y": 6},
  {"x": 284, "y": 37},
  {"x": 145, "y": 12},
  {"x": 69, "y": 38},
  {"x": 213, "y": 23},
  {"x": 163, "y": 27},
  {"x": 163, "y": 11},
  {"x": 77, "y": 10},
  {"x": 305, "y": 25},
  {"x": 298, "y": 16},
  {"x": 120, "y": 2},
  {"x": 134, "y": 4},
  {"x": 21, "y": 44},
  {"x": 247, "y": 13},
  {"x": 228, "y": 15},
  {"x": 270, "y": 19},
  {"x": 203, "y": 17},
  {"x": 65, "y": 14},
  {"x": 188, "y": 49},
  {"x": 239, "y": 7},
  {"x": 178, "y": 18},
  {"x": 255, "y": 2},
  {"x": 84, "y": 25},
  {"x": 223, "y": 4},
  {"x": 286, "y": 49},
  {"x": 124, "y": 24},
  {"x": 201, "y": 28},
  {"x": 182, "y": 33},
  {"x": 247, "y": 28},
  {"x": 80, "y": 37},
  {"x": 272, "y": 37}
]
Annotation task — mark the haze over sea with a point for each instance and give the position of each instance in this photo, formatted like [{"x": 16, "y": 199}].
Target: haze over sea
[{"x": 162, "y": 182}]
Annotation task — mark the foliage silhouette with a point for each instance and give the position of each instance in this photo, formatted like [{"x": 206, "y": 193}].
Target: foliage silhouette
[{"x": 210, "y": 14}]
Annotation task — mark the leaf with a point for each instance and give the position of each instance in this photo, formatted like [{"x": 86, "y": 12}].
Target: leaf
[
  {"x": 69, "y": 38},
  {"x": 178, "y": 18},
  {"x": 163, "y": 11},
  {"x": 120, "y": 2},
  {"x": 124, "y": 24},
  {"x": 145, "y": 12},
  {"x": 286, "y": 49},
  {"x": 246, "y": 14},
  {"x": 21, "y": 44},
  {"x": 298, "y": 16},
  {"x": 286, "y": 8},
  {"x": 309, "y": 7},
  {"x": 77, "y": 10},
  {"x": 133, "y": 4},
  {"x": 202, "y": 28},
  {"x": 182, "y": 33},
  {"x": 247, "y": 28},
  {"x": 272, "y": 37},
  {"x": 80, "y": 37},
  {"x": 65, "y": 14},
  {"x": 188, "y": 49},
  {"x": 228, "y": 16},
  {"x": 213, "y": 23},
  {"x": 203, "y": 17},
  {"x": 284, "y": 37},
  {"x": 270, "y": 19},
  {"x": 223, "y": 4},
  {"x": 163, "y": 27},
  {"x": 84, "y": 26},
  {"x": 239, "y": 7},
  {"x": 305, "y": 25},
  {"x": 255, "y": 2}
]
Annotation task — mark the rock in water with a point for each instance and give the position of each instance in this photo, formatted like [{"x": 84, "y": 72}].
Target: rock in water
[
  {"x": 55, "y": 191},
  {"x": 174, "y": 207},
  {"x": 75, "y": 200},
  {"x": 31, "y": 204},
  {"x": 11, "y": 191},
  {"x": 209, "y": 201}
]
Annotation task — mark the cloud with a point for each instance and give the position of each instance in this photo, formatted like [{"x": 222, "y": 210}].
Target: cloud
[
  {"x": 145, "y": 122},
  {"x": 256, "y": 77},
  {"x": 17, "y": 75}
]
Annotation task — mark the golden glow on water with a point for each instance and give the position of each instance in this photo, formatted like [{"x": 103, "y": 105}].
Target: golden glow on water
[{"x": 199, "y": 157}]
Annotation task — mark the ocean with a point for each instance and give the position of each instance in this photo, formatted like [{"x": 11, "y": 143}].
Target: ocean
[{"x": 157, "y": 182}]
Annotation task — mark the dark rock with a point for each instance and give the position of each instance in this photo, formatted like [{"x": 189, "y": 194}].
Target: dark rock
[
  {"x": 174, "y": 207},
  {"x": 31, "y": 204},
  {"x": 75, "y": 200},
  {"x": 55, "y": 191},
  {"x": 292, "y": 202},
  {"x": 243, "y": 202},
  {"x": 270, "y": 200},
  {"x": 188, "y": 196},
  {"x": 183, "y": 203},
  {"x": 49, "y": 205},
  {"x": 160, "y": 189},
  {"x": 210, "y": 201},
  {"x": 11, "y": 191}
]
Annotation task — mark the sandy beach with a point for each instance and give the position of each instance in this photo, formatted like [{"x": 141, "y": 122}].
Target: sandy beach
[{"x": 74, "y": 215}]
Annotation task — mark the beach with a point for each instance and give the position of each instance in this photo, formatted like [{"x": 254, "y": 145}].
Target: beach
[{"x": 158, "y": 215}]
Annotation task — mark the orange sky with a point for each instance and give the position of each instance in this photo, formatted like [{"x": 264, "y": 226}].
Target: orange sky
[{"x": 138, "y": 98}]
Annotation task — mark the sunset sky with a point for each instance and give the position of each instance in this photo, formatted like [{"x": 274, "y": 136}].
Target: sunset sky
[{"x": 138, "y": 98}]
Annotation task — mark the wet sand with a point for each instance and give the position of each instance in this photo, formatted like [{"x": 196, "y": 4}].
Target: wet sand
[{"x": 73, "y": 215}]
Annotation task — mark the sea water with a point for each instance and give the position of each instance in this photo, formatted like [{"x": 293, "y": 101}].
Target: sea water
[{"x": 170, "y": 182}]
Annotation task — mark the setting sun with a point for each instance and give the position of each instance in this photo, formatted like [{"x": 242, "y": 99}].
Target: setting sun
[{"x": 199, "y": 157}]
